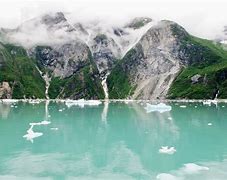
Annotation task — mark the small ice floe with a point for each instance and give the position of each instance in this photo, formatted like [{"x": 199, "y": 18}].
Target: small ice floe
[
  {"x": 170, "y": 118},
  {"x": 54, "y": 129},
  {"x": 161, "y": 107},
  {"x": 31, "y": 134},
  {"x": 45, "y": 122},
  {"x": 183, "y": 106},
  {"x": 223, "y": 106},
  {"x": 126, "y": 101},
  {"x": 34, "y": 101},
  {"x": 81, "y": 103},
  {"x": 40, "y": 123},
  {"x": 60, "y": 110},
  {"x": 9, "y": 101},
  {"x": 167, "y": 150},
  {"x": 196, "y": 106},
  {"x": 166, "y": 176},
  {"x": 209, "y": 124},
  {"x": 208, "y": 102},
  {"x": 192, "y": 168}
]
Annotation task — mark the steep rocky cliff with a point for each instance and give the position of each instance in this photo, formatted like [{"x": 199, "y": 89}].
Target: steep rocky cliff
[
  {"x": 47, "y": 57},
  {"x": 149, "y": 69}
]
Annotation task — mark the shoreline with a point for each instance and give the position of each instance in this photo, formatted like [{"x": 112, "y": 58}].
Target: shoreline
[{"x": 112, "y": 100}]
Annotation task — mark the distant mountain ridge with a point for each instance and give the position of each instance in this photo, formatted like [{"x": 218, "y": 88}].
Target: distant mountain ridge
[{"x": 143, "y": 59}]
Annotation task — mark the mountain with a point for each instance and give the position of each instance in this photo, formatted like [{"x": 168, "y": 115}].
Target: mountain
[{"x": 48, "y": 57}]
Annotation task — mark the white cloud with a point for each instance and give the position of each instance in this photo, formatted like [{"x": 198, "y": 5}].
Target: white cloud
[{"x": 204, "y": 18}]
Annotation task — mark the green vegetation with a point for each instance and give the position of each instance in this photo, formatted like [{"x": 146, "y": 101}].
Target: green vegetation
[
  {"x": 20, "y": 71},
  {"x": 210, "y": 61},
  {"x": 118, "y": 81}
]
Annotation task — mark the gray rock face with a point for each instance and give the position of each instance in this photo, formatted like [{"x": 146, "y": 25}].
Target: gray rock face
[
  {"x": 64, "y": 59},
  {"x": 105, "y": 53},
  {"x": 5, "y": 91},
  {"x": 195, "y": 78},
  {"x": 156, "y": 61}
]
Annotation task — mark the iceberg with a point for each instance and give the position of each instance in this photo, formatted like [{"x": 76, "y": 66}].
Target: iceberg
[
  {"x": 161, "y": 107},
  {"x": 192, "y": 168},
  {"x": 81, "y": 103},
  {"x": 183, "y": 106},
  {"x": 167, "y": 150},
  {"x": 9, "y": 101},
  {"x": 165, "y": 176},
  {"x": 208, "y": 102},
  {"x": 31, "y": 134},
  {"x": 209, "y": 124},
  {"x": 40, "y": 123},
  {"x": 34, "y": 101}
]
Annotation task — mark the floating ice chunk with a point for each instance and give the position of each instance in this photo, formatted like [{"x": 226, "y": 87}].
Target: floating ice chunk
[
  {"x": 45, "y": 122},
  {"x": 60, "y": 110},
  {"x": 208, "y": 102},
  {"x": 161, "y": 107},
  {"x": 209, "y": 124},
  {"x": 34, "y": 101},
  {"x": 223, "y": 106},
  {"x": 82, "y": 103},
  {"x": 9, "y": 101},
  {"x": 183, "y": 106},
  {"x": 195, "y": 106},
  {"x": 170, "y": 118},
  {"x": 167, "y": 150},
  {"x": 165, "y": 176},
  {"x": 55, "y": 129},
  {"x": 192, "y": 168},
  {"x": 40, "y": 123},
  {"x": 31, "y": 134}
]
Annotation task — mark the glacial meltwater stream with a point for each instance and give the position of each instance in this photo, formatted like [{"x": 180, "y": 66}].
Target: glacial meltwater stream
[{"x": 113, "y": 140}]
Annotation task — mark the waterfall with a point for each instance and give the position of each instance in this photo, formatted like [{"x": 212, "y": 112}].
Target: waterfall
[
  {"x": 47, "y": 80},
  {"x": 216, "y": 95},
  {"x": 105, "y": 87}
]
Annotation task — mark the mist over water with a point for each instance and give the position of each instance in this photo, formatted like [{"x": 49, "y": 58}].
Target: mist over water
[{"x": 115, "y": 140}]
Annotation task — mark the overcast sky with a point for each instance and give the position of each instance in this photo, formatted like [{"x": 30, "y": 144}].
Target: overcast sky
[{"x": 204, "y": 18}]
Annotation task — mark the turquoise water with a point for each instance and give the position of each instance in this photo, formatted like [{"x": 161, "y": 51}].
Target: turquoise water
[{"x": 113, "y": 141}]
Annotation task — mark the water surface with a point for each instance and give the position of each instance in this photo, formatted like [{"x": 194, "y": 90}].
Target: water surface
[{"x": 114, "y": 140}]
